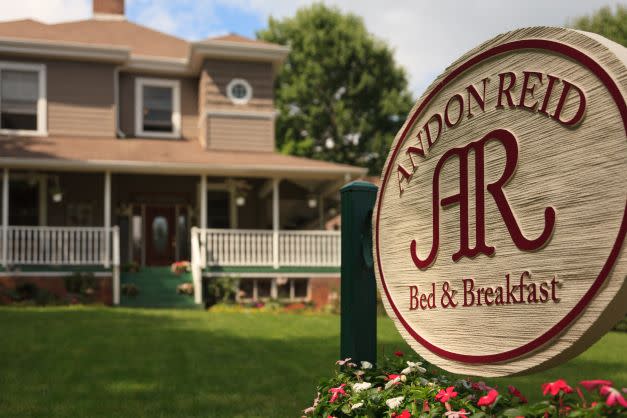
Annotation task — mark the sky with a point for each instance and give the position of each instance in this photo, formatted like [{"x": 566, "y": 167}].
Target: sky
[{"x": 426, "y": 36}]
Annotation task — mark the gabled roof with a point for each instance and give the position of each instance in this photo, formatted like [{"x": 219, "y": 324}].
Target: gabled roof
[{"x": 140, "y": 40}]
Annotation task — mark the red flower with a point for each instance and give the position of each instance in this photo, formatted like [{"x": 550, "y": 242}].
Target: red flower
[
  {"x": 590, "y": 385},
  {"x": 444, "y": 395},
  {"x": 392, "y": 376},
  {"x": 404, "y": 414},
  {"x": 613, "y": 396},
  {"x": 399, "y": 353},
  {"x": 515, "y": 392},
  {"x": 488, "y": 399},
  {"x": 425, "y": 406},
  {"x": 555, "y": 387},
  {"x": 337, "y": 392}
]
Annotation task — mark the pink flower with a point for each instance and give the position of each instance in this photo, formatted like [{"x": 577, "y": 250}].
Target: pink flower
[
  {"x": 399, "y": 353},
  {"x": 481, "y": 386},
  {"x": 343, "y": 362},
  {"x": 613, "y": 396},
  {"x": 488, "y": 399},
  {"x": 404, "y": 414},
  {"x": 425, "y": 406},
  {"x": 337, "y": 392},
  {"x": 457, "y": 414},
  {"x": 590, "y": 385},
  {"x": 444, "y": 395},
  {"x": 515, "y": 392},
  {"x": 555, "y": 387}
]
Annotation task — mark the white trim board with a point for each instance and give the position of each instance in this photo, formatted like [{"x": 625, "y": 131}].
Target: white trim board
[
  {"x": 42, "y": 99},
  {"x": 175, "y": 85}
]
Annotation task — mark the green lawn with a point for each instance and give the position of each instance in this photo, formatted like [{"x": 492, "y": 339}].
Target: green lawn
[{"x": 103, "y": 362}]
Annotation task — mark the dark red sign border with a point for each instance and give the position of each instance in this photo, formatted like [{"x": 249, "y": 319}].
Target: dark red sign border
[{"x": 616, "y": 94}]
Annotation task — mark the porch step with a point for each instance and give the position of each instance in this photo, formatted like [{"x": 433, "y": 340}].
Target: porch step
[{"x": 157, "y": 289}]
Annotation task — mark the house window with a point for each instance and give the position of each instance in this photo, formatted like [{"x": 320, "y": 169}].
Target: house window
[
  {"x": 280, "y": 288},
  {"x": 22, "y": 98},
  {"x": 239, "y": 91},
  {"x": 157, "y": 108}
]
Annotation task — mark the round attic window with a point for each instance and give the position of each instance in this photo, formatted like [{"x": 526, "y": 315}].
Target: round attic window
[{"x": 239, "y": 91}]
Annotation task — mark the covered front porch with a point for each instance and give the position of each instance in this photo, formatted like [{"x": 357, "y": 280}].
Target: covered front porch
[{"x": 54, "y": 222}]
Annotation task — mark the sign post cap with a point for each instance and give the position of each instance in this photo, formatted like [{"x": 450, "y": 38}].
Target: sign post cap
[{"x": 359, "y": 185}]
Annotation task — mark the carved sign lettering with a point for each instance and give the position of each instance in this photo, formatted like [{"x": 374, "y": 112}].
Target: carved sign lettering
[{"x": 501, "y": 218}]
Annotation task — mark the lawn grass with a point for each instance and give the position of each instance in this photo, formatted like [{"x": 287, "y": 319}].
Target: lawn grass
[{"x": 103, "y": 362}]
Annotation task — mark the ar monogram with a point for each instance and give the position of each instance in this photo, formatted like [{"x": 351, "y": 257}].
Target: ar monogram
[{"x": 510, "y": 144}]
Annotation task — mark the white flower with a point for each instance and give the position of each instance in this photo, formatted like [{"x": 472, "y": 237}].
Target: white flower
[
  {"x": 394, "y": 403},
  {"x": 366, "y": 365},
  {"x": 412, "y": 367},
  {"x": 357, "y": 405},
  {"x": 358, "y": 387},
  {"x": 309, "y": 410}
]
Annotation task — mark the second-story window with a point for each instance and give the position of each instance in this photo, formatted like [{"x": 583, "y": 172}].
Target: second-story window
[
  {"x": 157, "y": 111},
  {"x": 22, "y": 98}
]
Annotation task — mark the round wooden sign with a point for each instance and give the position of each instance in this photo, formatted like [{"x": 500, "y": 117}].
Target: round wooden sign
[{"x": 501, "y": 218}]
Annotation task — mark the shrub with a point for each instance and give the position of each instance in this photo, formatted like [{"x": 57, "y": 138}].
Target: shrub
[
  {"x": 132, "y": 267},
  {"x": 130, "y": 289},
  {"x": 26, "y": 291},
  {"x": 82, "y": 283},
  {"x": 221, "y": 289},
  {"x": 399, "y": 388}
]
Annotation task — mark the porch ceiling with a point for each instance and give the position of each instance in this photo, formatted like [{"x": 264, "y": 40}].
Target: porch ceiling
[{"x": 158, "y": 156}]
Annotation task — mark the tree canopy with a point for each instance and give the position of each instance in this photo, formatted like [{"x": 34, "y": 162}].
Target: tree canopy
[
  {"x": 340, "y": 94},
  {"x": 612, "y": 25}
]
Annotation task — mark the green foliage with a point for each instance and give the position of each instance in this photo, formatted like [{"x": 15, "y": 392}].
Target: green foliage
[
  {"x": 221, "y": 289},
  {"x": 340, "y": 93},
  {"x": 612, "y": 25},
  {"x": 83, "y": 283},
  {"x": 130, "y": 289},
  {"x": 403, "y": 389}
]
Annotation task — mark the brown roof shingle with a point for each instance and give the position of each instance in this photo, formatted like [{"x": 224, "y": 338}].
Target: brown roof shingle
[
  {"x": 150, "y": 155},
  {"x": 120, "y": 33}
]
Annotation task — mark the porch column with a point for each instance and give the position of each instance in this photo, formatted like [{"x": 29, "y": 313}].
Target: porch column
[
  {"x": 275, "y": 222},
  {"x": 5, "y": 216},
  {"x": 107, "y": 218}
]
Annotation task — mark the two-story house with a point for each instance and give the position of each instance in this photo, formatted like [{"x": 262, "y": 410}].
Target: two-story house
[{"x": 120, "y": 144}]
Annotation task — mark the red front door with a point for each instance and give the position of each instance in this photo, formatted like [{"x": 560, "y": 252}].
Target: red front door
[{"x": 160, "y": 235}]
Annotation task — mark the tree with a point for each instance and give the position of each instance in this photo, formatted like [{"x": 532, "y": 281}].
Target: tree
[
  {"x": 340, "y": 94},
  {"x": 611, "y": 25}
]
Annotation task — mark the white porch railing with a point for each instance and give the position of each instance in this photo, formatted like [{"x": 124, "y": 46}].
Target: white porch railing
[
  {"x": 63, "y": 246},
  {"x": 250, "y": 247},
  {"x": 254, "y": 247},
  {"x": 69, "y": 246}
]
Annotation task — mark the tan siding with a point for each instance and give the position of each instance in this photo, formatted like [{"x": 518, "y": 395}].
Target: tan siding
[
  {"x": 80, "y": 99},
  {"x": 80, "y": 96},
  {"x": 218, "y": 73},
  {"x": 189, "y": 104},
  {"x": 232, "y": 133}
]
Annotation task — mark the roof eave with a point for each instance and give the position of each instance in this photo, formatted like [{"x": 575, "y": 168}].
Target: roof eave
[
  {"x": 152, "y": 167},
  {"x": 56, "y": 49},
  {"x": 276, "y": 54}
]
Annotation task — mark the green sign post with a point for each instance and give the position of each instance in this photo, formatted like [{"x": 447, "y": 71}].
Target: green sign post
[{"x": 359, "y": 292}]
